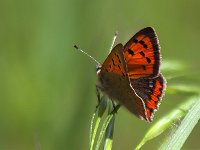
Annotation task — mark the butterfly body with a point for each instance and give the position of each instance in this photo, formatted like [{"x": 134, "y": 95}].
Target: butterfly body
[
  {"x": 130, "y": 74},
  {"x": 112, "y": 84}
]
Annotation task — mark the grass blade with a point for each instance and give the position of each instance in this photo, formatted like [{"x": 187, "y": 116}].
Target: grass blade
[
  {"x": 101, "y": 110},
  {"x": 166, "y": 121},
  {"x": 109, "y": 131},
  {"x": 103, "y": 129},
  {"x": 181, "y": 88},
  {"x": 178, "y": 138},
  {"x": 91, "y": 127},
  {"x": 109, "y": 135}
]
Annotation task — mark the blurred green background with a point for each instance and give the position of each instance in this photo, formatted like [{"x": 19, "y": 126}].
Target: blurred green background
[{"x": 47, "y": 92}]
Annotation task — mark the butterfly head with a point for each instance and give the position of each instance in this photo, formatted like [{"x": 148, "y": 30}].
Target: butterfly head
[{"x": 98, "y": 68}]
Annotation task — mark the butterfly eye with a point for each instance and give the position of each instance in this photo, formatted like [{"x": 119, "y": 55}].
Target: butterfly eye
[{"x": 98, "y": 68}]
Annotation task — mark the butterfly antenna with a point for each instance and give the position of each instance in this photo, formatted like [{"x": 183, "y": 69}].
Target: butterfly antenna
[
  {"x": 86, "y": 54},
  {"x": 113, "y": 41}
]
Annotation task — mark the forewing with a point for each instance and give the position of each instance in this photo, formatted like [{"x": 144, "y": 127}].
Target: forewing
[
  {"x": 115, "y": 62},
  {"x": 142, "y": 54}
]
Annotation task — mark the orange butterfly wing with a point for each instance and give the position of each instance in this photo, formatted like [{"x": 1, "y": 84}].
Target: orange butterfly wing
[
  {"x": 151, "y": 91},
  {"x": 115, "y": 62},
  {"x": 142, "y": 54}
]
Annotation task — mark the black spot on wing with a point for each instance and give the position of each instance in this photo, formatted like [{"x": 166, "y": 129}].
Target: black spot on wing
[
  {"x": 142, "y": 53},
  {"x": 143, "y": 44},
  {"x": 130, "y": 52},
  {"x": 118, "y": 58},
  {"x": 123, "y": 74},
  {"x": 113, "y": 62},
  {"x": 119, "y": 67},
  {"x": 148, "y": 59}
]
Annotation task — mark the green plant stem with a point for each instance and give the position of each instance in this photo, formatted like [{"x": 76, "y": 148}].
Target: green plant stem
[{"x": 103, "y": 129}]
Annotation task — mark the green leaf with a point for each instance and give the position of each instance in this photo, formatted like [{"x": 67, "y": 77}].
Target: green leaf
[
  {"x": 101, "y": 110},
  {"x": 109, "y": 131},
  {"x": 166, "y": 121},
  {"x": 190, "y": 88},
  {"x": 177, "y": 66},
  {"x": 91, "y": 128},
  {"x": 173, "y": 69},
  {"x": 180, "y": 135},
  {"x": 103, "y": 129}
]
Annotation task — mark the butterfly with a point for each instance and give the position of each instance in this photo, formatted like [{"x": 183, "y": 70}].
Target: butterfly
[{"x": 131, "y": 76}]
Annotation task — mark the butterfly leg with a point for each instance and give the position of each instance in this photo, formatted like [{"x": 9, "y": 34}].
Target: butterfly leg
[
  {"x": 113, "y": 41},
  {"x": 115, "y": 108},
  {"x": 98, "y": 96}
]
